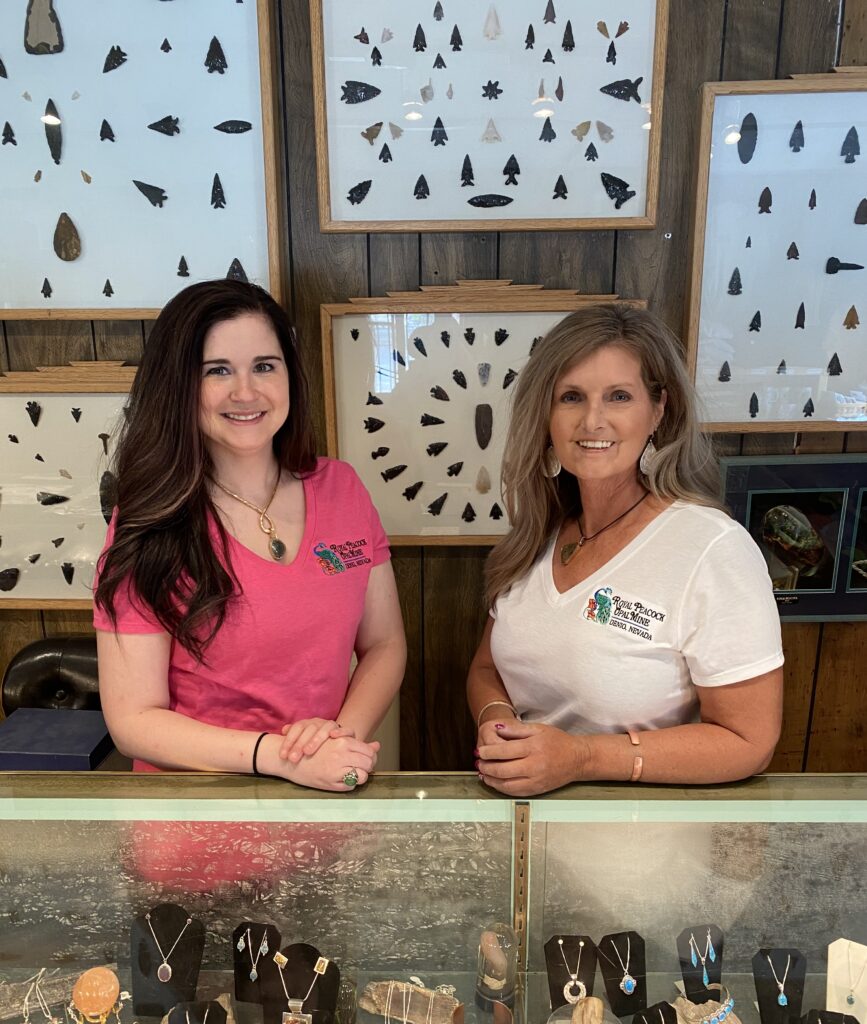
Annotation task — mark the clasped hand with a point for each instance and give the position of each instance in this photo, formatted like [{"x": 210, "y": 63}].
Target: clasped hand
[
  {"x": 327, "y": 750},
  {"x": 525, "y": 759}
]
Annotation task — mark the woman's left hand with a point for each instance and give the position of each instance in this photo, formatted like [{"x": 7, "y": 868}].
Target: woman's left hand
[
  {"x": 531, "y": 759},
  {"x": 305, "y": 737}
]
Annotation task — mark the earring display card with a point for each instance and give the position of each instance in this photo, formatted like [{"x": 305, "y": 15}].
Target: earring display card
[
  {"x": 700, "y": 950},
  {"x": 142, "y": 151},
  {"x": 780, "y": 257},
  {"x": 779, "y": 976},
  {"x": 623, "y": 965},
  {"x": 508, "y": 115},
  {"x": 57, "y": 436},
  {"x": 419, "y": 389}
]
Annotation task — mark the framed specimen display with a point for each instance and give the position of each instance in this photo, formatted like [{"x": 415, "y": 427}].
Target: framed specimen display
[
  {"x": 137, "y": 154},
  {"x": 57, "y": 429},
  {"x": 779, "y": 274},
  {"x": 808, "y": 514},
  {"x": 418, "y": 388},
  {"x": 506, "y": 115}
]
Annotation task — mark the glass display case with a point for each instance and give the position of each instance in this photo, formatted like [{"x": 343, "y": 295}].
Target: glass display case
[{"x": 414, "y": 879}]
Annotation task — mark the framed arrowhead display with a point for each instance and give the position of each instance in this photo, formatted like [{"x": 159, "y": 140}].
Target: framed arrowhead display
[
  {"x": 808, "y": 516},
  {"x": 502, "y": 116},
  {"x": 418, "y": 388},
  {"x": 779, "y": 264},
  {"x": 132, "y": 147},
  {"x": 57, "y": 431}
]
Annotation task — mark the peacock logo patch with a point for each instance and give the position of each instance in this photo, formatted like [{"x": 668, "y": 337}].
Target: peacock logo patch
[
  {"x": 329, "y": 563},
  {"x": 630, "y": 615}
]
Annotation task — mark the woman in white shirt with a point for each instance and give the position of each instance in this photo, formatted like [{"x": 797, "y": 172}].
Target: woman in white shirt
[{"x": 633, "y": 631}]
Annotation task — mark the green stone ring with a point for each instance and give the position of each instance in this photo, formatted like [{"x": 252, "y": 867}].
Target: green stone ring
[{"x": 350, "y": 778}]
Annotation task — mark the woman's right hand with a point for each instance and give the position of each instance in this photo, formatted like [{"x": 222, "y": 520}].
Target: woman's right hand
[{"x": 324, "y": 769}]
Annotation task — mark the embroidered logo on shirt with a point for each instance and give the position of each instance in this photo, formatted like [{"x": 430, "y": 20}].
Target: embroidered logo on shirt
[
  {"x": 336, "y": 558},
  {"x": 635, "y": 617}
]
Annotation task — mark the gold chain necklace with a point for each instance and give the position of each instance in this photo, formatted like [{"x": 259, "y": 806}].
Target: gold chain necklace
[
  {"x": 276, "y": 547},
  {"x": 567, "y": 551}
]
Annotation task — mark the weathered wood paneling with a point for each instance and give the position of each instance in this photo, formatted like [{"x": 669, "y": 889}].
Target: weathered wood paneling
[{"x": 441, "y": 589}]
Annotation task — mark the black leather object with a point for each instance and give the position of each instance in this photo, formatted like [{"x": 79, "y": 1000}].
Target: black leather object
[{"x": 57, "y": 673}]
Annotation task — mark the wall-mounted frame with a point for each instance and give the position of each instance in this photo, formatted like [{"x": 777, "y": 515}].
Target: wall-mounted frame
[
  {"x": 507, "y": 116},
  {"x": 57, "y": 430},
  {"x": 138, "y": 154},
  {"x": 418, "y": 388},
  {"x": 808, "y": 514},
  {"x": 774, "y": 326}
]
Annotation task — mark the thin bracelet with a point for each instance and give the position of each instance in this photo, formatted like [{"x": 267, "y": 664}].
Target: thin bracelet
[
  {"x": 637, "y": 761},
  {"x": 494, "y": 703},
  {"x": 256, "y": 753}
]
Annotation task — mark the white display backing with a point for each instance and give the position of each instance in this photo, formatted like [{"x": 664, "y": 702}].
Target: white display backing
[
  {"x": 771, "y": 282},
  {"x": 366, "y": 364},
  {"x": 125, "y": 239},
  {"x": 518, "y": 113},
  {"x": 27, "y": 527},
  {"x": 845, "y": 962}
]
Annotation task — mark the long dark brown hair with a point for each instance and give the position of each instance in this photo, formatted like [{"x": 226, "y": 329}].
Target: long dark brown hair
[
  {"x": 683, "y": 469},
  {"x": 162, "y": 546}
]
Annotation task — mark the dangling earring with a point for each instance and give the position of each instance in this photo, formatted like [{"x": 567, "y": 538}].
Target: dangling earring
[
  {"x": 550, "y": 463},
  {"x": 645, "y": 463}
]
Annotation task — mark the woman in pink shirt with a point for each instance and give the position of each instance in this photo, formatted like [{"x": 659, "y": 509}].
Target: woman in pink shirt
[{"x": 240, "y": 571}]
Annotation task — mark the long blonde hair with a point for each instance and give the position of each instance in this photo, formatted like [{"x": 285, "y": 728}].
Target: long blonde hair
[{"x": 684, "y": 467}]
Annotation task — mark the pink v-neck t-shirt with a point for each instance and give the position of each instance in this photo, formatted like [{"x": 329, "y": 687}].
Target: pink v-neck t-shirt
[{"x": 284, "y": 650}]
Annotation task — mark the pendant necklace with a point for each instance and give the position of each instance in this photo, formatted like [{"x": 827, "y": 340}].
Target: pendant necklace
[
  {"x": 262, "y": 951},
  {"x": 276, "y": 547},
  {"x": 296, "y": 1006},
  {"x": 204, "y": 1019},
  {"x": 696, "y": 955},
  {"x": 573, "y": 981},
  {"x": 782, "y": 998},
  {"x": 627, "y": 983},
  {"x": 850, "y": 999},
  {"x": 164, "y": 971},
  {"x": 567, "y": 551}
]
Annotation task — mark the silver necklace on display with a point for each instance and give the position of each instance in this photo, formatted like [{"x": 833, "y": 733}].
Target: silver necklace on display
[
  {"x": 782, "y": 998},
  {"x": 696, "y": 955},
  {"x": 164, "y": 971},
  {"x": 850, "y": 999},
  {"x": 204, "y": 1019},
  {"x": 573, "y": 981},
  {"x": 627, "y": 983},
  {"x": 262, "y": 951}
]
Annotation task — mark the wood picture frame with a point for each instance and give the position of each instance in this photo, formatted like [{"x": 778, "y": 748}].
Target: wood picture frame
[
  {"x": 405, "y": 112},
  {"x": 57, "y": 433},
  {"x": 417, "y": 398},
  {"x": 774, "y": 307},
  {"x": 808, "y": 515},
  {"x": 139, "y": 167}
]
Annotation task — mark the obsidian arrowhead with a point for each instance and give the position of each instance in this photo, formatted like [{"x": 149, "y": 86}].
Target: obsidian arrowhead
[
  {"x": 233, "y": 127},
  {"x": 236, "y": 271},
  {"x": 107, "y": 494},
  {"x": 9, "y": 579},
  {"x": 749, "y": 137},
  {"x": 153, "y": 193},
  {"x": 484, "y": 423},
  {"x": 358, "y": 193},
  {"x": 114, "y": 59},
  {"x": 358, "y": 92},
  {"x": 489, "y": 201}
]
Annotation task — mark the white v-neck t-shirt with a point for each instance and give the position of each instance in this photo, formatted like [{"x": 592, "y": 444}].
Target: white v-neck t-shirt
[{"x": 688, "y": 602}]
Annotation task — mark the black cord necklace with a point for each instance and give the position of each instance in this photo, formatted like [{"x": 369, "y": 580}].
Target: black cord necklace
[{"x": 567, "y": 551}]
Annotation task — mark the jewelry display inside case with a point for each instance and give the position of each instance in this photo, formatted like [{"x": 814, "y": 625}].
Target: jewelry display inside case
[{"x": 424, "y": 899}]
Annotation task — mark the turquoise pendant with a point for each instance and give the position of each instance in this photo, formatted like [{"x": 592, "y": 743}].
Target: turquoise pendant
[
  {"x": 276, "y": 548},
  {"x": 705, "y": 980},
  {"x": 782, "y": 999},
  {"x": 850, "y": 1000},
  {"x": 627, "y": 984}
]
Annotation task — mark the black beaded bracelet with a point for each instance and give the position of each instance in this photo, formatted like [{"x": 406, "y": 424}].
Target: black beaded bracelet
[{"x": 256, "y": 754}]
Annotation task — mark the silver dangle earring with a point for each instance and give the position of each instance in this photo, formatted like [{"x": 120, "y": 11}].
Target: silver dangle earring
[
  {"x": 550, "y": 463},
  {"x": 645, "y": 463}
]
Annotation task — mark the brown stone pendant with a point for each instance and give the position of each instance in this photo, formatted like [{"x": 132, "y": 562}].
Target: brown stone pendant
[{"x": 276, "y": 548}]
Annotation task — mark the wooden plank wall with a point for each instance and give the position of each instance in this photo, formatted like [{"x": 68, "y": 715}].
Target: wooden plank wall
[{"x": 441, "y": 588}]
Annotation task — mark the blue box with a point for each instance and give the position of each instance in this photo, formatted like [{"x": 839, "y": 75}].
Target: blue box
[{"x": 52, "y": 740}]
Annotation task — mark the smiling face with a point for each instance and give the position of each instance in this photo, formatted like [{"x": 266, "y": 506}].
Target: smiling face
[
  {"x": 602, "y": 415},
  {"x": 244, "y": 397}
]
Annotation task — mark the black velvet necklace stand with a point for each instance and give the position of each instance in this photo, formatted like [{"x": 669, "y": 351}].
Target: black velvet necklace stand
[
  {"x": 627, "y": 947},
  {"x": 659, "y": 1013},
  {"x": 827, "y": 1017},
  {"x": 150, "y": 996},
  {"x": 298, "y": 975},
  {"x": 197, "y": 1013},
  {"x": 693, "y": 977},
  {"x": 558, "y": 971},
  {"x": 249, "y": 989},
  {"x": 767, "y": 990}
]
